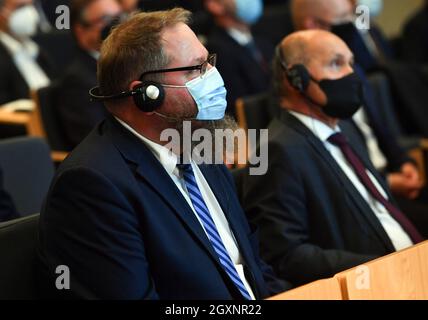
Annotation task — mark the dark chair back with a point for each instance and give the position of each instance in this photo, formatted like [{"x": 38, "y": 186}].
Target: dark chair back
[
  {"x": 18, "y": 240},
  {"x": 256, "y": 112},
  {"x": 28, "y": 170},
  {"x": 47, "y": 104}
]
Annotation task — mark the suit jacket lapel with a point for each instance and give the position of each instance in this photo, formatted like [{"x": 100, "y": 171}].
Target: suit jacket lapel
[
  {"x": 149, "y": 168},
  {"x": 364, "y": 208}
]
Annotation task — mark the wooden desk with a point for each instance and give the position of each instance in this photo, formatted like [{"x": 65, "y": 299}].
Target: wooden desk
[
  {"x": 399, "y": 276},
  {"x": 27, "y": 119},
  {"x": 328, "y": 289}
]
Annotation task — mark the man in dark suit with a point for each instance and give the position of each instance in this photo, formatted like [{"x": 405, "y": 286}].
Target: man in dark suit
[
  {"x": 122, "y": 214},
  {"x": 76, "y": 113},
  {"x": 384, "y": 151},
  {"x": 23, "y": 66},
  {"x": 322, "y": 207},
  {"x": 244, "y": 58}
]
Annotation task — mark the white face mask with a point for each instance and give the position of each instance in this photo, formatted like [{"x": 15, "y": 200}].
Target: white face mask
[{"x": 23, "y": 22}]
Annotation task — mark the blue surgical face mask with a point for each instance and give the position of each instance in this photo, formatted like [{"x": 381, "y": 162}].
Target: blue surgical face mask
[
  {"x": 249, "y": 11},
  {"x": 209, "y": 94}
]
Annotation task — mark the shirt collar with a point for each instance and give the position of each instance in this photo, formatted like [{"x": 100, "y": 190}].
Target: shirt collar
[
  {"x": 243, "y": 38},
  {"x": 165, "y": 156},
  {"x": 318, "y": 128},
  {"x": 15, "y": 47}
]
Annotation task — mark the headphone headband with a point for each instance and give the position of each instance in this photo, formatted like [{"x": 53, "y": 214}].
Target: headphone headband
[
  {"x": 97, "y": 96},
  {"x": 147, "y": 96}
]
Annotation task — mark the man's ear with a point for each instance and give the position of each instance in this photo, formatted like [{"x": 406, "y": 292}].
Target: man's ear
[{"x": 134, "y": 84}]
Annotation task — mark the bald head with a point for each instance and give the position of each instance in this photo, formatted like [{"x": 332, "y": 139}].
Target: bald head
[
  {"x": 320, "y": 14},
  {"x": 324, "y": 54}
]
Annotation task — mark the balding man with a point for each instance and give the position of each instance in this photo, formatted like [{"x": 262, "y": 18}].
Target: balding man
[
  {"x": 384, "y": 151},
  {"x": 322, "y": 207}
]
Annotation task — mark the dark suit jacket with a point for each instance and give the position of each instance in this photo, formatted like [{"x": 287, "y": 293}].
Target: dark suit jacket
[
  {"x": 76, "y": 113},
  {"x": 242, "y": 74},
  {"x": 12, "y": 84},
  {"x": 415, "y": 38},
  {"x": 313, "y": 222},
  {"x": 388, "y": 142},
  {"x": 117, "y": 220}
]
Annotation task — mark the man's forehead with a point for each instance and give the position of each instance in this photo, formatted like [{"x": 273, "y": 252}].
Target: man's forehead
[
  {"x": 329, "y": 47},
  {"x": 182, "y": 45}
]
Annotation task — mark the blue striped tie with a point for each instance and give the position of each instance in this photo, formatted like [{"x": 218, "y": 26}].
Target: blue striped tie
[{"x": 210, "y": 227}]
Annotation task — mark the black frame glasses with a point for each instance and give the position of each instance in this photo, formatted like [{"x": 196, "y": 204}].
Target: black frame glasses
[{"x": 203, "y": 67}]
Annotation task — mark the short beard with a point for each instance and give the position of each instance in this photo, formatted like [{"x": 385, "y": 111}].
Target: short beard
[{"x": 227, "y": 123}]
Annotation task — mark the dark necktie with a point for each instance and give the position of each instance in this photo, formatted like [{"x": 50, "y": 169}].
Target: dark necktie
[
  {"x": 204, "y": 215},
  {"x": 339, "y": 140}
]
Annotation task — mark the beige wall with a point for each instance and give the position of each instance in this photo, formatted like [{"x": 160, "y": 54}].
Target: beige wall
[{"x": 395, "y": 13}]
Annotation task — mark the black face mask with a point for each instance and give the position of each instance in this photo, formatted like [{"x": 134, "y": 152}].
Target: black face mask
[{"x": 344, "y": 96}]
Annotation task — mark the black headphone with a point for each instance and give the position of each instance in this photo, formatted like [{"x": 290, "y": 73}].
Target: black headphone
[
  {"x": 148, "y": 96},
  {"x": 298, "y": 75}
]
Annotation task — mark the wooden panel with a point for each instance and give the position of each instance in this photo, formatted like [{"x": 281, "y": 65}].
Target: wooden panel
[
  {"x": 399, "y": 276},
  {"x": 328, "y": 289}
]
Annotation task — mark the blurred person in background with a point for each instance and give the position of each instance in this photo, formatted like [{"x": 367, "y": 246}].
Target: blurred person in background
[
  {"x": 23, "y": 65},
  {"x": 244, "y": 59},
  {"x": 129, "y": 6},
  {"x": 76, "y": 113}
]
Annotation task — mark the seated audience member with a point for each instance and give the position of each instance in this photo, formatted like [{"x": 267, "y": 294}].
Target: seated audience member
[
  {"x": 370, "y": 47},
  {"x": 7, "y": 207},
  {"x": 322, "y": 207},
  {"x": 23, "y": 66},
  {"x": 128, "y": 217},
  {"x": 415, "y": 33},
  {"x": 244, "y": 59},
  {"x": 384, "y": 151},
  {"x": 76, "y": 113}
]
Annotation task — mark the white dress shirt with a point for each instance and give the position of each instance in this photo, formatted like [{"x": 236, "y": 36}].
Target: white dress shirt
[
  {"x": 25, "y": 55},
  {"x": 376, "y": 155},
  {"x": 242, "y": 38},
  {"x": 169, "y": 161},
  {"x": 399, "y": 238}
]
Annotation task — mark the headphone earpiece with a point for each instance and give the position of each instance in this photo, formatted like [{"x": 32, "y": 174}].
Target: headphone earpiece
[
  {"x": 298, "y": 77},
  {"x": 148, "y": 96}
]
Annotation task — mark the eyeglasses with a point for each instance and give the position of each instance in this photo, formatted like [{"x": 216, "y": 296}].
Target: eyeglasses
[{"x": 203, "y": 67}]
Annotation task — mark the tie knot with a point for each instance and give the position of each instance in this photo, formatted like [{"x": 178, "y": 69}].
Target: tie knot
[
  {"x": 338, "y": 139},
  {"x": 185, "y": 168}
]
